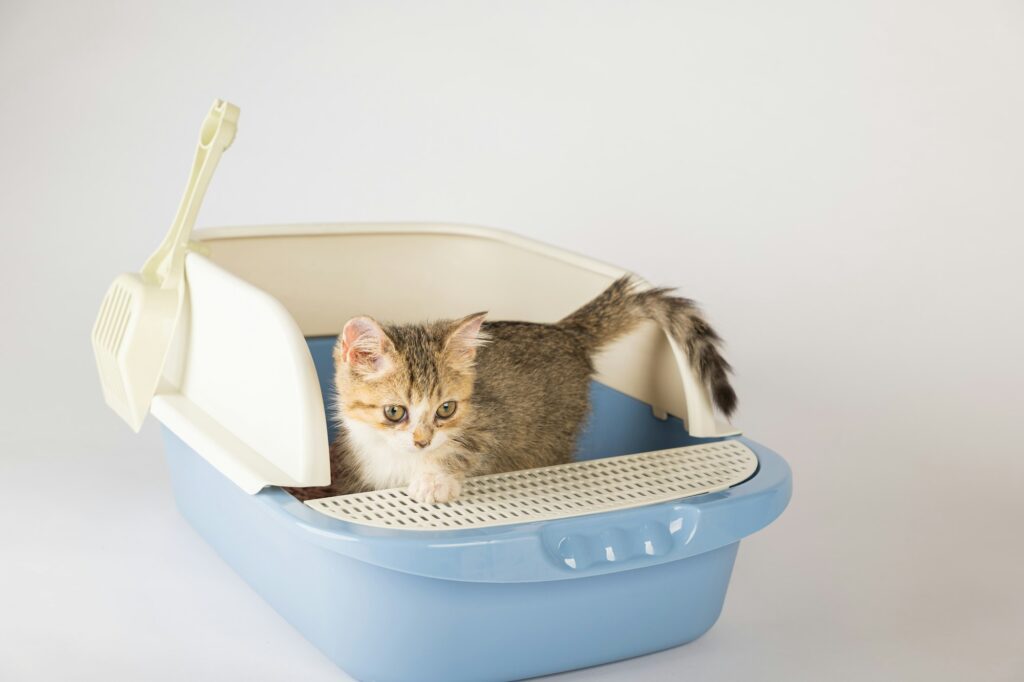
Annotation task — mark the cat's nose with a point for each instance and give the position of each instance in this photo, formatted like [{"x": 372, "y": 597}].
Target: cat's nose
[{"x": 421, "y": 443}]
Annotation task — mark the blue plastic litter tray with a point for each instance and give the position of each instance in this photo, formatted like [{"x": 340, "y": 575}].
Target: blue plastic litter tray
[{"x": 498, "y": 603}]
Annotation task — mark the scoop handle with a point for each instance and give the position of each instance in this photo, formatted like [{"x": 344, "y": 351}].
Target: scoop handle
[{"x": 166, "y": 266}]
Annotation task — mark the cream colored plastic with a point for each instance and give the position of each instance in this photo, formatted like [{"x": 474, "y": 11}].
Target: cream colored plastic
[
  {"x": 556, "y": 492},
  {"x": 408, "y": 272},
  {"x": 135, "y": 326},
  {"x": 248, "y": 398}
]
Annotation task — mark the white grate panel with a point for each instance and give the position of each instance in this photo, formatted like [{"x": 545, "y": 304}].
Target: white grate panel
[{"x": 555, "y": 492}]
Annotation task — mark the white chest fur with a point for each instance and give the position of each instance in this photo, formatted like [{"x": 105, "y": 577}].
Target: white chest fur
[
  {"x": 389, "y": 459},
  {"x": 383, "y": 462}
]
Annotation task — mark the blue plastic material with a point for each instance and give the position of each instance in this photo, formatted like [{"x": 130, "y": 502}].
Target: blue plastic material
[{"x": 492, "y": 603}]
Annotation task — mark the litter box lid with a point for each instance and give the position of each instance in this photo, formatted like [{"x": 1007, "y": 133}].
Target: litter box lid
[{"x": 240, "y": 386}]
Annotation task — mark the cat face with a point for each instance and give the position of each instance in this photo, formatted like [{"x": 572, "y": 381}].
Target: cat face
[{"x": 411, "y": 385}]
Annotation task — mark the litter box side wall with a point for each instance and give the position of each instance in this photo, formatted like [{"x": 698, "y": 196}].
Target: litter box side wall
[
  {"x": 387, "y": 625},
  {"x": 240, "y": 386},
  {"x": 325, "y": 273},
  {"x": 242, "y": 389}
]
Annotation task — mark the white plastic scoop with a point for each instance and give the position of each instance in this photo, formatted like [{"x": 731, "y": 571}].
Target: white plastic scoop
[{"x": 133, "y": 331}]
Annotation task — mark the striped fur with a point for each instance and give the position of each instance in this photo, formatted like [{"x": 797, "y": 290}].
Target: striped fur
[
  {"x": 621, "y": 307},
  {"x": 522, "y": 390}
]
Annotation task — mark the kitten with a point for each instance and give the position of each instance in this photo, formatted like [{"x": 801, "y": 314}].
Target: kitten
[{"x": 423, "y": 406}]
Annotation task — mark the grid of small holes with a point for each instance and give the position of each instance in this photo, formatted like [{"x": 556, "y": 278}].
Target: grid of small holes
[{"x": 556, "y": 492}]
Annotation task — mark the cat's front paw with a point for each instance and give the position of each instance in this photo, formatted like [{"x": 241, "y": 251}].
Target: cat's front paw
[{"x": 434, "y": 488}]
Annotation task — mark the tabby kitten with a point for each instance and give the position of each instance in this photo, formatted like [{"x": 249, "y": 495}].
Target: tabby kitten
[{"x": 423, "y": 406}]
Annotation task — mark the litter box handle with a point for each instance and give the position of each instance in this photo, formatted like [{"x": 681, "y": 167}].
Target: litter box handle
[{"x": 167, "y": 264}]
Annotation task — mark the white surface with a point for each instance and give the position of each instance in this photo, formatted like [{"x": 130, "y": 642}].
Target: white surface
[
  {"x": 858, "y": 168},
  {"x": 556, "y": 492},
  {"x": 250, "y": 380}
]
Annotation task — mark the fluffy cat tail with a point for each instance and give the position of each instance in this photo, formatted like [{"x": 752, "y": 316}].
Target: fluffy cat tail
[{"x": 621, "y": 307}]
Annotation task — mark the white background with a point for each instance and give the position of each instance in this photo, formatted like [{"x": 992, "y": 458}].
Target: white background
[{"x": 840, "y": 184}]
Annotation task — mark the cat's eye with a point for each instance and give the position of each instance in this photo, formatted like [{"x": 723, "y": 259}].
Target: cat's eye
[
  {"x": 394, "y": 413},
  {"x": 447, "y": 409}
]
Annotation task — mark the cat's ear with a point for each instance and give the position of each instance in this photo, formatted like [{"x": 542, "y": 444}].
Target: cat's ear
[
  {"x": 465, "y": 337},
  {"x": 364, "y": 347}
]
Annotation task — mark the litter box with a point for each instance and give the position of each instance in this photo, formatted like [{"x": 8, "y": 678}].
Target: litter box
[{"x": 628, "y": 550}]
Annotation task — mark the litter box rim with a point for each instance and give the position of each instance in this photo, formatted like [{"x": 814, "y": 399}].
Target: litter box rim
[{"x": 537, "y": 551}]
